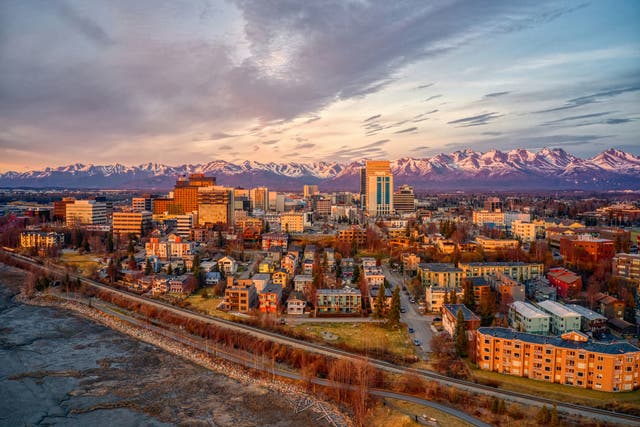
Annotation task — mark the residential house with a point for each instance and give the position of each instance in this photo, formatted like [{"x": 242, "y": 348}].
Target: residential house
[
  {"x": 302, "y": 282},
  {"x": 525, "y": 317},
  {"x": 296, "y": 304},
  {"x": 450, "y": 318},
  {"x": 227, "y": 265},
  {"x": 338, "y": 301},
  {"x": 269, "y": 297},
  {"x": 563, "y": 319}
]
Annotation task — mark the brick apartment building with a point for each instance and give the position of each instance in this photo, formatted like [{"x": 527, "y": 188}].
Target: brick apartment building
[{"x": 572, "y": 359}]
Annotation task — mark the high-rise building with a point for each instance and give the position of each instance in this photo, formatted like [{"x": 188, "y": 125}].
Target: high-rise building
[
  {"x": 144, "y": 203},
  {"x": 215, "y": 205},
  {"x": 259, "y": 198},
  {"x": 493, "y": 204},
  {"x": 378, "y": 188},
  {"x": 60, "y": 208},
  {"x": 185, "y": 193},
  {"x": 127, "y": 223},
  {"x": 310, "y": 190},
  {"x": 404, "y": 200},
  {"x": 86, "y": 212}
]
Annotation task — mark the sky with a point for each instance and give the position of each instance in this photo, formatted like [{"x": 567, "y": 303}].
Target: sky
[{"x": 193, "y": 81}]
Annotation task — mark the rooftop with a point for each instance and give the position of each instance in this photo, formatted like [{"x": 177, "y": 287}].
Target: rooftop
[
  {"x": 439, "y": 267},
  {"x": 557, "y": 309},
  {"x": 454, "y": 308},
  {"x": 586, "y": 313},
  {"x": 528, "y": 310},
  {"x": 345, "y": 290},
  {"x": 594, "y": 346}
]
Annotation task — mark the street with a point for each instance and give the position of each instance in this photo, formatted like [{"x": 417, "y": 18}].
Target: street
[{"x": 412, "y": 317}]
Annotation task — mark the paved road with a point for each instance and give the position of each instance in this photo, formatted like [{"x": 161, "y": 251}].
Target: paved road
[{"x": 412, "y": 317}]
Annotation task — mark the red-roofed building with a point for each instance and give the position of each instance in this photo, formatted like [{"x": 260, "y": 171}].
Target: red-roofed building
[{"x": 567, "y": 283}]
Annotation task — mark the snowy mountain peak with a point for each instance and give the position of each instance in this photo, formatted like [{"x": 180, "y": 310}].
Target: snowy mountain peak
[{"x": 517, "y": 168}]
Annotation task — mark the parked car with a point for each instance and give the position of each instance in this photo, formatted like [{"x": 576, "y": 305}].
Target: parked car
[
  {"x": 416, "y": 342},
  {"x": 411, "y": 330}
]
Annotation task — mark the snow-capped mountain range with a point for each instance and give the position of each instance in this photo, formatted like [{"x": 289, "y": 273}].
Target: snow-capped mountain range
[{"x": 550, "y": 168}]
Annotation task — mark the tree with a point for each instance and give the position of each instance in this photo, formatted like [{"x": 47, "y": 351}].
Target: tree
[
  {"x": 543, "y": 416},
  {"x": 461, "y": 335},
  {"x": 147, "y": 267},
  {"x": 267, "y": 227},
  {"x": 197, "y": 272},
  {"x": 356, "y": 274},
  {"x": 394, "y": 312},
  {"x": 467, "y": 296},
  {"x": 378, "y": 305},
  {"x": 110, "y": 242}
]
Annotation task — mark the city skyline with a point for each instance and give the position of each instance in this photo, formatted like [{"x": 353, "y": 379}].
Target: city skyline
[{"x": 271, "y": 81}]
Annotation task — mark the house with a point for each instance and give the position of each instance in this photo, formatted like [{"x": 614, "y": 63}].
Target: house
[
  {"x": 435, "y": 296},
  {"x": 568, "y": 283},
  {"x": 289, "y": 263},
  {"x": 307, "y": 266},
  {"x": 302, "y": 282},
  {"x": 373, "y": 296},
  {"x": 590, "y": 321},
  {"x": 310, "y": 252},
  {"x": 260, "y": 281},
  {"x": 269, "y": 297},
  {"x": 525, "y": 317},
  {"x": 266, "y": 266},
  {"x": 373, "y": 276},
  {"x": 275, "y": 240},
  {"x": 212, "y": 278},
  {"x": 338, "y": 301},
  {"x": 611, "y": 307},
  {"x": 296, "y": 304},
  {"x": 410, "y": 262},
  {"x": 450, "y": 318},
  {"x": 563, "y": 319},
  {"x": 280, "y": 277},
  {"x": 227, "y": 265},
  {"x": 181, "y": 284},
  {"x": 160, "y": 285}
]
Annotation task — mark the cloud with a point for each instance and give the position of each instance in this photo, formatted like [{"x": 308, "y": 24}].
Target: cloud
[
  {"x": 496, "y": 94},
  {"x": 425, "y": 86},
  {"x": 85, "y": 26},
  {"x": 580, "y": 117},
  {"x": 479, "y": 120},
  {"x": 407, "y": 130},
  {"x": 270, "y": 142},
  {"x": 432, "y": 98},
  {"x": 593, "y": 98},
  {"x": 225, "y": 147},
  {"x": 617, "y": 121},
  {"x": 368, "y": 119},
  {"x": 305, "y": 146},
  {"x": 220, "y": 135},
  {"x": 311, "y": 120},
  {"x": 421, "y": 148}
]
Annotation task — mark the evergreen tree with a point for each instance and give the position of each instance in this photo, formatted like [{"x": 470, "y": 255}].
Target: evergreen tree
[
  {"x": 467, "y": 296},
  {"x": 197, "y": 272},
  {"x": 378, "y": 305},
  {"x": 453, "y": 297},
  {"x": 267, "y": 227},
  {"x": 460, "y": 335},
  {"x": 169, "y": 270},
  {"x": 131, "y": 249},
  {"x": 109, "y": 242},
  {"x": 394, "y": 312},
  {"x": 147, "y": 267},
  {"x": 356, "y": 274}
]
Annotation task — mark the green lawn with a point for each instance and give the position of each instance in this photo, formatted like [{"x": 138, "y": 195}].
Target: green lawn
[
  {"x": 558, "y": 391},
  {"x": 361, "y": 336},
  {"x": 85, "y": 263},
  {"x": 208, "y": 306},
  {"x": 402, "y": 414}
]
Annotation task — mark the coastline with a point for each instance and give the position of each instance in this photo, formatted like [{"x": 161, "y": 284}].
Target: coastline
[{"x": 290, "y": 392}]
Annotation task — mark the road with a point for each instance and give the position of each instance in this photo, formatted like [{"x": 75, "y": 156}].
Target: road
[
  {"x": 412, "y": 317},
  {"x": 528, "y": 400}
]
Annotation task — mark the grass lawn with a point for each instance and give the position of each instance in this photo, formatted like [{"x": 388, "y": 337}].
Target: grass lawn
[
  {"x": 208, "y": 305},
  {"x": 361, "y": 336},
  {"x": 558, "y": 391},
  {"x": 402, "y": 414},
  {"x": 85, "y": 263}
]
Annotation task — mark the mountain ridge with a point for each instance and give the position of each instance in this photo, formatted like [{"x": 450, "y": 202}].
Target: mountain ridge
[{"x": 549, "y": 168}]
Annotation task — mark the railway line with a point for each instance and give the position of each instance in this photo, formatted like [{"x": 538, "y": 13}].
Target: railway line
[{"x": 522, "y": 398}]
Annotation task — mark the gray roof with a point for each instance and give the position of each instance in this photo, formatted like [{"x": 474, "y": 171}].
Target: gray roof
[
  {"x": 586, "y": 313},
  {"x": 440, "y": 267},
  {"x": 594, "y": 346}
]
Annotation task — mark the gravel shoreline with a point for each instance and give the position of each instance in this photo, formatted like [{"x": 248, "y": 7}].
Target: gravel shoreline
[{"x": 292, "y": 393}]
